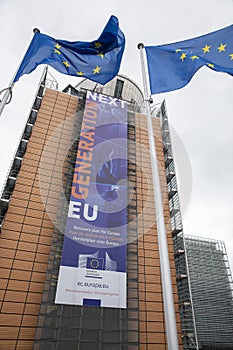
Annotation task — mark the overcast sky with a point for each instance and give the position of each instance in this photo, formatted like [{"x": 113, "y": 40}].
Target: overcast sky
[{"x": 200, "y": 114}]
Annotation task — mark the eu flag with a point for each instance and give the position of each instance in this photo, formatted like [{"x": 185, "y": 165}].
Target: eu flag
[
  {"x": 95, "y": 263},
  {"x": 172, "y": 66},
  {"x": 98, "y": 60}
]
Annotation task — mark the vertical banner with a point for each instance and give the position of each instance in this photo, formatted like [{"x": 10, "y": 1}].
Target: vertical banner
[{"x": 93, "y": 264}]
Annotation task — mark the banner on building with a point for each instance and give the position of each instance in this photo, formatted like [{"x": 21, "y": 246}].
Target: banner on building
[{"x": 93, "y": 264}]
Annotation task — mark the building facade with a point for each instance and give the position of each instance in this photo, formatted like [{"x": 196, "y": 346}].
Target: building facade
[
  {"x": 211, "y": 285},
  {"x": 34, "y": 206}
]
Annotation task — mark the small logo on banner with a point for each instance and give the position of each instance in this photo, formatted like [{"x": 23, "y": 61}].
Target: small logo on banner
[{"x": 95, "y": 263}]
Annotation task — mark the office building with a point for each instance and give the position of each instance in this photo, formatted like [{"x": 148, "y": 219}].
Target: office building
[
  {"x": 34, "y": 207},
  {"x": 212, "y": 294}
]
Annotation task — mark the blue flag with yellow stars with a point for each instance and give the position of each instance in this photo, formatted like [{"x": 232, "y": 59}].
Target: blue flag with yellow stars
[
  {"x": 172, "y": 66},
  {"x": 98, "y": 60}
]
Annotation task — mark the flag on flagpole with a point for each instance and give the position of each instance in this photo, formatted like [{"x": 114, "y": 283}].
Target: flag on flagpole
[
  {"x": 172, "y": 66},
  {"x": 98, "y": 60}
]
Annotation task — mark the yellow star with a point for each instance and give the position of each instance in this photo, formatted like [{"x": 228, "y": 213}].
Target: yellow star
[
  {"x": 206, "y": 48},
  {"x": 57, "y": 51},
  {"x": 97, "y": 44},
  {"x": 66, "y": 63},
  {"x": 58, "y": 46},
  {"x": 231, "y": 56},
  {"x": 183, "y": 56},
  {"x": 178, "y": 50},
  {"x": 211, "y": 65},
  {"x": 80, "y": 73},
  {"x": 101, "y": 55},
  {"x": 221, "y": 47},
  {"x": 96, "y": 70},
  {"x": 194, "y": 57}
]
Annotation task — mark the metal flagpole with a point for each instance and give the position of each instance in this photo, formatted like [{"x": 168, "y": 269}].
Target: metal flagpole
[
  {"x": 6, "y": 97},
  {"x": 8, "y": 91},
  {"x": 169, "y": 310}
]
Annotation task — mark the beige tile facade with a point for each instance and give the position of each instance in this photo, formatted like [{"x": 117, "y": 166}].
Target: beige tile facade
[
  {"x": 152, "y": 323},
  {"x": 26, "y": 234}
]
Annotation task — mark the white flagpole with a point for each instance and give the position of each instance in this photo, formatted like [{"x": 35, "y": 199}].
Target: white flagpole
[
  {"x": 168, "y": 300},
  {"x": 8, "y": 91}
]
